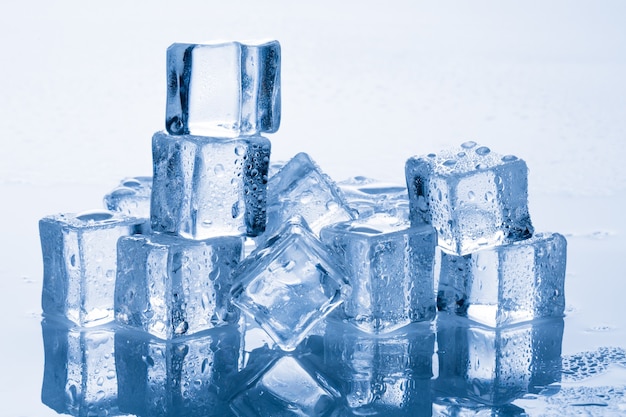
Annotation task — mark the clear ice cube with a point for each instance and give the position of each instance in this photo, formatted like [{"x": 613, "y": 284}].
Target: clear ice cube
[
  {"x": 390, "y": 266},
  {"x": 368, "y": 196},
  {"x": 80, "y": 263},
  {"x": 223, "y": 89},
  {"x": 506, "y": 284},
  {"x": 206, "y": 187},
  {"x": 289, "y": 284},
  {"x": 287, "y": 388},
  {"x": 169, "y": 286},
  {"x": 301, "y": 188},
  {"x": 496, "y": 366},
  {"x": 79, "y": 371},
  {"x": 183, "y": 377},
  {"x": 386, "y": 375},
  {"x": 131, "y": 197},
  {"x": 473, "y": 197}
]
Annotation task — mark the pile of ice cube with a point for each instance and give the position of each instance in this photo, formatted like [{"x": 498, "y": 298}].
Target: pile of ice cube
[{"x": 228, "y": 232}]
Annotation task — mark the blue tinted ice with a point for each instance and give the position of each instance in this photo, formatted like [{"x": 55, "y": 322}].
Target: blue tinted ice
[
  {"x": 368, "y": 196},
  {"x": 206, "y": 187},
  {"x": 390, "y": 268},
  {"x": 224, "y": 89},
  {"x": 185, "y": 377},
  {"x": 288, "y": 388},
  {"x": 131, "y": 197},
  {"x": 289, "y": 284},
  {"x": 79, "y": 257},
  {"x": 506, "y": 284},
  {"x": 170, "y": 286},
  {"x": 301, "y": 188},
  {"x": 496, "y": 366},
  {"x": 473, "y": 197},
  {"x": 79, "y": 372},
  {"x": 388, "y": 375}
]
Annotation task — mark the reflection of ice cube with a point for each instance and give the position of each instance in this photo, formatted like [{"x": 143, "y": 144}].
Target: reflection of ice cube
[
  {"x": 496, "y": 366},
  {"x": 382, "y": 374},
  {"x": 301, "y": 188},
  {"x": 287, "y": 388},
  {"x": 170, "y": 286},
  {"x": 175, "y": 378},
  {"x": 79, "y": 256},
  {"x": 79, "y": 371},
  {"x": 131, "y": 197},
  {"x": 289, "y": 284},
  {"x": 506, "y": 284},
  {"x": 205, "y": 187},
  {"x": 224, "y": 89},
  {"x": 390, "y": 269},
  {"x": 473, "y": 197}
]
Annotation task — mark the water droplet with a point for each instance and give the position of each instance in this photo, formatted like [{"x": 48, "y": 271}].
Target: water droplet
[
  {"x": 110, "y": 374},
  {"x": 240, "y": 150},
  {"x": 219, "y": 170},
  {"x": 94, "y": 216},
  {"x": 471, "y": 195},
  {"x": 461, "y": 154},
  {"x": 489, "y": 196},
  {"x": 73, "y": 260},
  {"x": 449, "y": 163},
  {"x": 481, "y": 166},
  {"x": 468, "y": 145},
  {"x": 306, "y": 197},
  {"x": 483, "y": 150},
  {"x": 207, "y": 223},
  {"x": 100, "y": 381},
  {"x": 431, "y": 155},
  {"x": 182, "y": 328},
  {"x": 254, "y": 172},
  {"x": 509, "y": 158},
  {"x": 439, "y": 196},
  {"x": 234, "y": 211}
]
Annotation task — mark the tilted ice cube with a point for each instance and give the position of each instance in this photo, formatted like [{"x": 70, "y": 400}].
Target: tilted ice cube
[
  {"x": 224, "y": 89},
  {"x": 289, "y": 284},
  {"x": 205, "y": 187},
  {"x": 496, "y": 366},
  {"x": 287, "y": 388},
  {"x": 506, "y": 284},
  {"x": 131, "y": 197},
  {"x": 80, "y": 263},
  {"x": 472, "y": 196},
  {"x": 368, "y": 196},
  {"x": 183, "y": 377},
  {"x": 388, "y": 375},
  {"x": 170, "y": 286},
  {"x": 301, "y": 188},
  {"x": 79, "y": 371},
  {"x": 390, "y": 268}
]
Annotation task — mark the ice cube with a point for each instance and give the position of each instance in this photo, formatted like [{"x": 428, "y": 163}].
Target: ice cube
[
  {"x": 301, "y": 188},
  {"x": 496, "y": 366},
  {"x": 288, "y": 388},
  {"x": 169, "y": 286},
  {"x": 79, "y": 257},
  {"x": 368, "y": 196},
  {"x": 506, "y": 284},
  {"x": 183, "y": 377},
  {"x": 131, "y": 197},
  {"x": 80, "y": 377},
  {"x": 223, "y": 89},
  {"x": 289, "y": 284},
  {"x": 473, "y": 197},
  {"x": 390, "y": 269},
  {"x": 206, "y": 187},
  {"x": 387, "y": 374}
]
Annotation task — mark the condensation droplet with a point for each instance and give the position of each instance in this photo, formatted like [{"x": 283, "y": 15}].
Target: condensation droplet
[
  {"x": 449, "y": 163},
  {"x": 471, "y": 195},
  {"x": 483, "y": 150},
  {"x": 240, "y": 150},
  {"x": 219, "y": 170},
  {"x": 468, "y": 145},
  {"x": 509, "y": 158},
  {"x": 182, "y": 328}
]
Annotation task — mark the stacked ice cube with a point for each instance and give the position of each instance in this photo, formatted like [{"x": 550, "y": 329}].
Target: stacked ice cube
[{"x": 493, "y": 269}]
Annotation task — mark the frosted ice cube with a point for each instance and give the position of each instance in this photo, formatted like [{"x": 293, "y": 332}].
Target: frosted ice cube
[
  {"x": 170, "y": 286},
  {"x": 289, "y": 284},
  {"x": 496, "y": 366},
  {"x": 131, "y": 197},
  {"x": 368, "y": 196},
  {"x": 223, "y": 89},
  {"x": 473, "y": 197},
  {"x": 80, "y": 377},
  {"x": 390, "y": 268},
  {"x": 288, "y": 388},
  {"x": 183, "y": 377},
  {"x": 387, "y": 374},
  {"x": 206, "y": 187},
  {"x": 506, "y": 284},
  {"x": 301, "y": 188},
  {"x": 80, "y": 263}
]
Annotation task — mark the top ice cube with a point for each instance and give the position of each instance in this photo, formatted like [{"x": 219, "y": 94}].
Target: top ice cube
[
  {"x": 473, "y": 197},
  {"x": 223, "y": 89}
]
